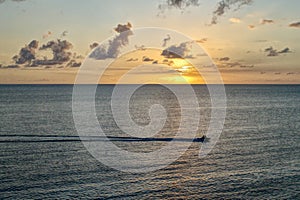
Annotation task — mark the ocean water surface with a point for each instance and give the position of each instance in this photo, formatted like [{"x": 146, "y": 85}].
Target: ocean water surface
[{"x": 257, "y": 155}]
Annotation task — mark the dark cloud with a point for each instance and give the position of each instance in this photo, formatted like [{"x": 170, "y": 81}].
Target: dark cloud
[
  {"x": 180, "y": 51},
  {"x": 11, "y": 67},
  {"x": 222, "y": 7},
  {"x": 147, "y": 59},
  {"x": 266, "y": 21},
  {"x": 274, "y": 52},
  {"x": 290, "y": 73},
  {"x": 233, "y": 64},
  {"x": 286, "y": 50},
  {"x": 34, "y": 44},
  {"x": 27, "y": 53},
  {"x": 73, "y": 63},
  {"x": 201, "y": 41},
  {"x": 141, "y": 48},
  {"x": 271, "y": 52},
  {"x": 225, "y": 5},
  {"x": 114, "y": 46},
  {"x": 226, "y": 64},
  {"x": 295, "y": 25},
  {"x": 224, "y": 59},
  {"x": 246, "y": 66},
  {"x": 60, "y": 50},
  {"x": 132, "y": 60},
  {"x": 94, "y": 45},
  {"x": 166, "y": 40},
  {"x": 251, "y": 26},
  {"x": 122, "y": 28},
  {"x": 177, "y": 4}
]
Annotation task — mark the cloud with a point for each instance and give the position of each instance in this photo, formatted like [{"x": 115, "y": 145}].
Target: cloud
[
  {"x": 180, "y": 51},
  {"x": 202, "y": 55},
  {"x": 114, "y": 47},
  {"x": 59, "y": 50},
  {"x": 246, "y": 66},
  {"x": 32, "y": 56},
  {"x": 228, "y": 64},
  {"x": 147, "y": 59},
  {"x": 177, "y": 4},
  {"x": 140, "y": 48},
  {"x": 266, "y": 21},
  {"x": 10, "y": 67},
  {"x": 274, "y": 52},
  {"x": 286, "y": 50},
  {"x": 225, "y": 5},
  {"x": 201, "y": 41},
  {"x": 2, "y": 1},
  {"x": 64, "y": 34},
  {"x": 166, "y": 40},
  {"x": 251, "y": 27},
  {"x": 132, "y": 60},
  {"x": 73, "y": 63},
  {"x": 94, "y": 45},
  {"x": 46, "y": 35},
  {"x": 27, "y": 53},
  {"x": 295, "y": 25},
  {"x": 224, "y": 63},
  {"x": 235, "y": 20},
  {"x": 271, "y": 52},
  {"x": 225, "y": 59}
]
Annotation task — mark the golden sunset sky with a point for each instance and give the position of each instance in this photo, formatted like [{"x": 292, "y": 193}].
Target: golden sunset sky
[{"x": 247, "y": 41}]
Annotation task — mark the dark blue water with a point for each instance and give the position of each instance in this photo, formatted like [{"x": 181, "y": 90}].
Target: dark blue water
[{"x": 257, "y": 156}]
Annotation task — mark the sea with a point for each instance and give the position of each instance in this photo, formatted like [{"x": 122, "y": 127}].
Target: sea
[{"x": 257, "y": 155}]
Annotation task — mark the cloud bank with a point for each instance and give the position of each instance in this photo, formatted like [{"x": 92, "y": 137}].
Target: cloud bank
[{"x": 61, "y": 51}]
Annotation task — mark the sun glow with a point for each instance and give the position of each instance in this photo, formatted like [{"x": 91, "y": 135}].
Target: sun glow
[{"x": 178, "y": 62}]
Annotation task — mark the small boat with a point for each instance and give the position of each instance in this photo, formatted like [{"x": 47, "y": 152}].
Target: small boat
[{"x": 201, "y": 139}]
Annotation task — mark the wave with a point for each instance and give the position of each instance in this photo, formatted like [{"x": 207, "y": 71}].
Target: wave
[{"x": 65, "y": 138}]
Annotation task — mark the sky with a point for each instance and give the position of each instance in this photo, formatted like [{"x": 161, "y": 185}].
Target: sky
[{"x": 247, "y": 41}]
